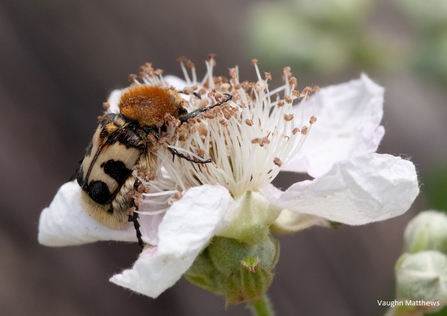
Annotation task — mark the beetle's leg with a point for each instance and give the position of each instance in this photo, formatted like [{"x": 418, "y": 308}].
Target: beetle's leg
[{"x": 133, "y": 217}]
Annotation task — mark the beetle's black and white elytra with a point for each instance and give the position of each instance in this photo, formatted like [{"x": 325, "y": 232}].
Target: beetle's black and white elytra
[{"x": 121, "y": 142}]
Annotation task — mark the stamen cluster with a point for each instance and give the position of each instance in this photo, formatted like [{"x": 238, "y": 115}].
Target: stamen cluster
[{"x": 248, "y": 139}]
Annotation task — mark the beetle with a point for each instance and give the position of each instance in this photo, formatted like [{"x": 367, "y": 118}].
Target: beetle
[{"x": 122, "y": 141}]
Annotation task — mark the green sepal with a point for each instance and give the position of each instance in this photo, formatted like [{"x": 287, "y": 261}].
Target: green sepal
[
  {"x": 204, "y": 274},
  {"x": 227, "y": 253},
  {"x": 239, "y": 271},
  {"x": 247, "y": 284}
]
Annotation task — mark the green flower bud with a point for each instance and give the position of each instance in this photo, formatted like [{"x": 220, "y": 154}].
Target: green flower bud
[
  {"x": 253, "y": 215},
  {"x": 422, "y": 277},
  {"x": 237, "y": 270},
  {"x": 427, "y": 231}
]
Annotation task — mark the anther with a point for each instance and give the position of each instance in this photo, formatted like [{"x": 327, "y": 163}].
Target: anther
[
  {"x": 277, "y": 161},
  {"x": 289, "y": 117},
  {"x": 304, "y": 130}
]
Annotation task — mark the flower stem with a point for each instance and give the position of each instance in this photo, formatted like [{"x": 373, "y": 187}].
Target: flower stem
[{"x": 262, "y": 307}]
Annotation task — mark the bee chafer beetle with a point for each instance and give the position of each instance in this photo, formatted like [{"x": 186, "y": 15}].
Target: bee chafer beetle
[{"x": 122, "y": 141}]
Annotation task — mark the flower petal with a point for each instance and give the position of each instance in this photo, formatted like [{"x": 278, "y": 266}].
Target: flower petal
[
  {"x": 348, "y": 118},
  {"x": 186, "y": 229},
  {"x": 114, "y": 100},
  {"x": 149, "y": 227},
  {"x": 175, "y": 82},
  {"x": 365, "y": 189},
  {"x": 65, "y": 223},
  {"x": 291, "y": 222}
]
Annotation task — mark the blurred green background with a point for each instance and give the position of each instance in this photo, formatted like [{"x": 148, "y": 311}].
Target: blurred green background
[{"x": 60, "y": 59}]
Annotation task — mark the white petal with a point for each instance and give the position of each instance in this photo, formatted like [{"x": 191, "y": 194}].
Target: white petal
[
  {"x": 149, "y": 227},
  {"x": 290, "y": 222},
  {"x": 186, "y": 229},
  {"x": 365, "y": 189},
  {"x": 348, "y": 119},
  {"x": 114, "y": 100},
  {"x": 175, "y": 82},
  {"x": 65, "y": 223}
]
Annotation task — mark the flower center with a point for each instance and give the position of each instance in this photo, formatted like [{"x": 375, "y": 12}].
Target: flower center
[{"x": 248, "y": 139}]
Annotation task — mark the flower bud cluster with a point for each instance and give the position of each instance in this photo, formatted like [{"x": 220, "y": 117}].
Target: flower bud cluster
[{"x": 421, "y": 272}]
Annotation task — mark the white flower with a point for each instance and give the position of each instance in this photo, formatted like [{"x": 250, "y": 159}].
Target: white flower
[{"x": 249, "y": 139}]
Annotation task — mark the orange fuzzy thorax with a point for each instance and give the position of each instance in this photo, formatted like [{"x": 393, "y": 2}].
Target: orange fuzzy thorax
[{"x": 149, "y": 104}]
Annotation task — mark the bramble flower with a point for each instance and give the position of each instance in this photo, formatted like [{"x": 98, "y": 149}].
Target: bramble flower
[{"x": 331, "y": 135}]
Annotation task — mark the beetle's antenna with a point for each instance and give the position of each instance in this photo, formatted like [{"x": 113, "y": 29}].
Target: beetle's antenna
[
  {"x": 186, "y": 117},
  {"x": 197, "y": 95}
]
